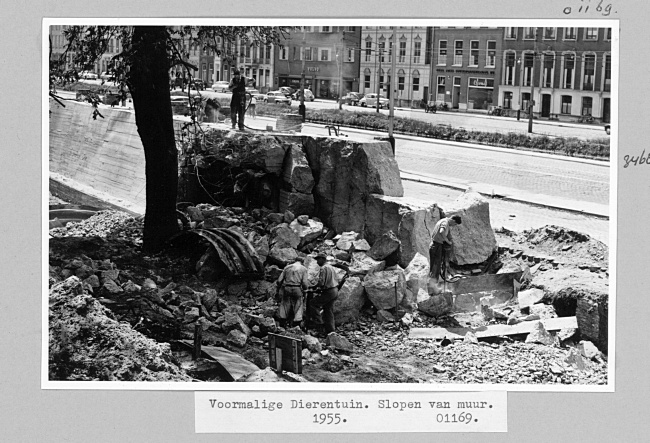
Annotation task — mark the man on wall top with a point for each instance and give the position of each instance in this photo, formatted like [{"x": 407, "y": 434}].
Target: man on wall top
[{"x": 238, "y": 101}]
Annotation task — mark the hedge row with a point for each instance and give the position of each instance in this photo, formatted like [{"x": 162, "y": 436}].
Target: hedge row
[{"x": 570, "y": 146}]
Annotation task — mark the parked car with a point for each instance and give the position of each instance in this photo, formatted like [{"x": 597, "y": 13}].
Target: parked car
[
  {"x": 370, "y": 100},
  {"x": 88, "y": 75},
  {"x": 309, "y": 96},
  {"x": 198, "y": 84},
  {"x": 277, "y": 97},
  {"x": 608, "y": 128},
  {"x": 352, "y": 98},
  {"x": 106, "y": 76},
  {"x": 220, "y": 86},
  {"x": 287, "y": 90},
  {"x": 255, "y": 93}
]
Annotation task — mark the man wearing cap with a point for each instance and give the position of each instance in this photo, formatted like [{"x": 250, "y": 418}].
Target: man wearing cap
[
  {"x": 328, "y": 283},
  {"x": 238, "y": 85},
  {"x": 441, "y": 242},
  {"x": 292, "y": 282}
]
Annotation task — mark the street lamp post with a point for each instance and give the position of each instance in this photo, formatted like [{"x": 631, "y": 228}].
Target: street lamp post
[
  {"x": 301, "y": 107},
  {"x": 391, "y": 103},
  {"x": 380, "y": 53}
]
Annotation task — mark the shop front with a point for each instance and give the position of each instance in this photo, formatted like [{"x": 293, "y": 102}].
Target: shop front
[{"x": 479, "y": 93}]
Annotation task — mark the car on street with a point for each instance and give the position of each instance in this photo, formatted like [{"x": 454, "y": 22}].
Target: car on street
[
  {"x": 220, "y": 86},
  {"x": 287, "y": 90},
  {"x": 88, "y": 75},
  {"x": 608, "y": 128},
  {"x": 370, "y": 100},
  {"x": 255, "y": 93},
  {"x": 277, "y": 97},
  {"x": 198, "y": 84},
  {"x": 352, "y": 98},
  {"x": 309, "y": 96},
  {"x": 180, "y": 105}
]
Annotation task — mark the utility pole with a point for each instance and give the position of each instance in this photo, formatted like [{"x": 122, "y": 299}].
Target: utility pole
[
  {"x": 301, "y": 107},
  {"x": 531, "y": 103},
  {"x": 391, "y": 103},
  {"x": 340, "y": 66},
  {"x": 380, "y": 53}
]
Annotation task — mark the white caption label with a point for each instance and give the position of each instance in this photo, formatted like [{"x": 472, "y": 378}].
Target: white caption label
[{"x": 298, "y": 412}]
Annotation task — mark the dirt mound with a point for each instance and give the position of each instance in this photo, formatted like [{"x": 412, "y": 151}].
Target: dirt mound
[{"x": 87, "y": 343}]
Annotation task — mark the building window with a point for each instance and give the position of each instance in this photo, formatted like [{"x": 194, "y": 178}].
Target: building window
[
  {"x": 325, "y": 29},
  {"x": 416, "y": 80},
  {"x": 402, "y": 52},
  {"x": 417, "y": 50},
  {"x": 589, "y": 70},
  {"x": 390, "y": 51},
  {"x": 366, "y": 81},
  {"x": 608, "y": 34},
  {"x": 283, "y": 53},
  {"x": 607, "y": 87},
  {"x": 368, "y": 50},
  {"x": 324, "y": 54},
  {"x": 349, "y": 55},
  {"x": 490, "y": 59},
  {"x": 458, "y": 53},
  {"x": 511, "y": 33},
  {"x": 548, "y": 70},
  {"x": 381, "y": 81},
  {"x": 509, "y": 74},
  {"x": 529, "y": 63},
  {"x": 307, "y": 53},
  {"x": 549, "y": 33},
  {"x": 586, "y": 105},
  {"x": 529, "y": 33},
  {"x": 349, "y": 28},
  {"x": 570, "y": 34},
  {"x": 525, "y": 101},
  {"x": 473, "y": 53},
  {"x": 307, "y": 28},
  {"x": 591, "y": 33},
  {"x": 566, "y": 104},
  {"x": 569, "y": 69},
  {"x": 440, "y": 90},
  {"x": 268, "y": 52},
  {"x": 400, "y": 80},
  {"x": 507, "y": 100},
  {"x": 442, "y": 52},
  {"x": 382, "y": 48}
]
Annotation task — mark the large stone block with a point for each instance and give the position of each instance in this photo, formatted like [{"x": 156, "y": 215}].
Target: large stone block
[
  {"x": 384, "y": 246},
  {"x": 282, "y": 236},
  {"x": 351, "y": 299},
  {"x": 474, "y": 239},
  {"x": 296, "y": 171},
  {"x": 417, "y": 273},
  {"x": 385, "y": 289},
  {"x": 296, "y": 202},
  {"x": 362, "y": 264},
  {"x": 346, "y": 174},
  {"x": 411, "y": 220},
  {"x": 307, "y": 232}
]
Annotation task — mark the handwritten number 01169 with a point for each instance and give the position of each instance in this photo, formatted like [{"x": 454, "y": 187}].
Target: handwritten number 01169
[
  {"x": 463, "y": 417},
  {"x": 327, "y": 419}
]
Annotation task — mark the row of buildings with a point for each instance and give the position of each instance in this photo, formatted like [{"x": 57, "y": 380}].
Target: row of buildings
[{"x": 565, "y": 71}]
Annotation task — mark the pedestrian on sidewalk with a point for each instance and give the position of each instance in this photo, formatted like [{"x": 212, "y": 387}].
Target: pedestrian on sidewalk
[
  {"x": 328, "y": 283},
  {"x": 441, "y": 242},
  {"x": 238, "y": 85},
  {"x": 291, "y": 285}
]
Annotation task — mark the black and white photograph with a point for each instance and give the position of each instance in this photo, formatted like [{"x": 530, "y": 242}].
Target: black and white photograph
[{"x": 421, "y": 204}]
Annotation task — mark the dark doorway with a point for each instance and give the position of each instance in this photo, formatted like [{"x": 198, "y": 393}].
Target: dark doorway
[
  {"x": 546, "y": 105},
  {"x": 606, "y": 110}
]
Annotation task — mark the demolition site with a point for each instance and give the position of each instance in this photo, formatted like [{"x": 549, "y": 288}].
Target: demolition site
[{"x": 264, "y": 216}]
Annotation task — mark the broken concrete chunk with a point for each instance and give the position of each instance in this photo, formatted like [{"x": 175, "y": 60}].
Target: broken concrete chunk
[
  {"x": 263, "y": 376},
  {"x": 417, "y": 273},
  {"x": 530, "y": 297},
  {"x": 360, "y": 245},
  {"x": 574, "y": 359},
  {"x": 384, "y": 316},
  {"x": 283, "y": 236},
  {"x": 237, "y": 338},
  {"x": 474, "y": 240},
  {"x": 311, "y": 343},
  {"x": 306, "y": 232},
  {"x": 348, "y": 305},
  {"x": 437, "y": 305},
  {"x": 384, "y": 246},
  {"x": 344, "y": 243},
  {"x": 282, "y": 256},
  {"x": 296, "y": 170},
  {"x": 539, "y": 334},
  {"x": 361, "y": 264},
  {"x": 589, "y": 350},
  {"x": 339, "y": 342},
  {"x": 296, "y": 202},
  {"x": 385, "y": 289},
  {"x": 470, "y": 337}
]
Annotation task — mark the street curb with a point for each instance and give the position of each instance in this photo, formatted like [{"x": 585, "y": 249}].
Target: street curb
[{"x": 459, "y": 187}]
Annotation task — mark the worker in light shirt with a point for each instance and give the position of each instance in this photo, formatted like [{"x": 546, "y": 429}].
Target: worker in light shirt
[{"x": 328, "y": 283}]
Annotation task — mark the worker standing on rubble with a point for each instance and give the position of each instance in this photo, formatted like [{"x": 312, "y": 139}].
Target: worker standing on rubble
[
  {"x": 441, "y": 243},
  {"x": 291, "y": 285},
  {"x": 238, "y": 85},
  {"x": 328, "y": 283}
]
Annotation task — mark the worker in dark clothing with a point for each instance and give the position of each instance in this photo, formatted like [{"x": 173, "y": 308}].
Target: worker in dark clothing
[
  {"x": 238, "y": 101},
  {"x": 291, "y": 285},
  {"x": 328, "y": 284},
  {"x": 441, "y": 242}
]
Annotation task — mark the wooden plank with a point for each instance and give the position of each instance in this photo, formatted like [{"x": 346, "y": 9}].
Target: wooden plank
[
  {"x": 233, "y": 364},
  {"x": 551, "y": 324}
]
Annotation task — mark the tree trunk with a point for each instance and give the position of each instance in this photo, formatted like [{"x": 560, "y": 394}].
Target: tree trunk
[{"x": 149, "y": 81}]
